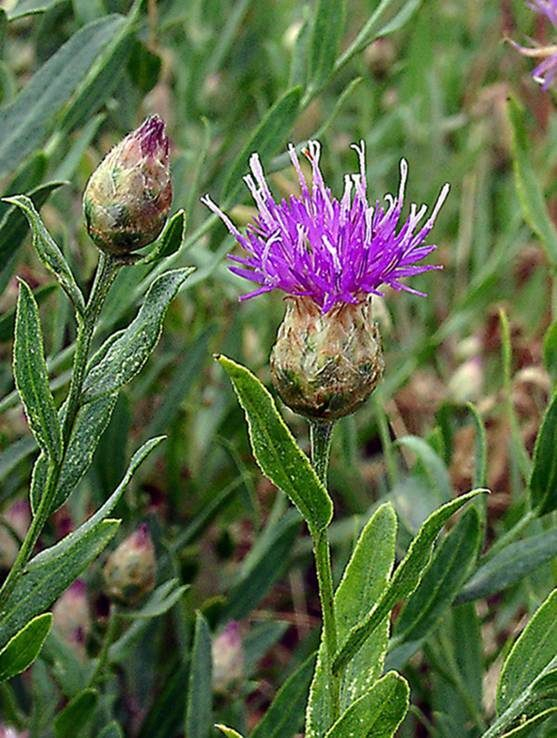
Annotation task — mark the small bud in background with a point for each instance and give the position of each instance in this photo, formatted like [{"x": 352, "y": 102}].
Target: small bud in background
[
  {"x": 325, "y": 365},
  {"x": 127, "y": 199},
  {"x": 17, "y": 517},
  {"x": 129, "y": 572},
  {"x": 72, "y": 617},
  {"x": 228, "y": 658},
  {"x": 8, "y": 732},
  {"x": 466, "y": 384}
]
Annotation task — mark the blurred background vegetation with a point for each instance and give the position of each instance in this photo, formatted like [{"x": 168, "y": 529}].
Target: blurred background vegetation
[{"x": 231, "y": 77}]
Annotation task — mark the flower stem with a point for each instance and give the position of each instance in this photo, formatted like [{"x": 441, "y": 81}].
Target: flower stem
[
  {"x": 320, "y": 440},
  {"x": 102, "y": 658},
  {"x": 106, "y": 272}
]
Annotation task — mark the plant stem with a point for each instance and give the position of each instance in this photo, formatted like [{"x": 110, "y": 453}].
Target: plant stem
[
  {"x": 320, "y": 440},
  {"x": 102, "y": 658},
  {"x": 105, "y": 274}
]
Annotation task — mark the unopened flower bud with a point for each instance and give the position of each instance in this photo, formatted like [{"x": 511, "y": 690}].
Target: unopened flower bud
[
  {"x": 127, "y": 199},
  {"x": 228, "y": 658},
  {"x": 72, "y": 617},
  {"x": 325, "y": 365},
  {"x": 129, "y": 572},
  {"x": 17, "y": 518}
]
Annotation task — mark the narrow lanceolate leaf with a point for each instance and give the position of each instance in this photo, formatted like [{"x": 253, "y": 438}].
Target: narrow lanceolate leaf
[
  {"x": 228, "y": 732},
  {"x": 52, "y": 571},
  {"x": 160, "y": 601},
  {"x": 30, "y": 7},
  {"x": 533, "y": 651},
  {"x": 127, "y": 355},
  {"x": 24, "y": 647},
  {"x": 530, "y": 194},
  {"x": 449, "y": 567},
  {"x": 76, "y": 715},
  {"x": 26, "y": 122},
  {"x": 170, "y": 241},
  {"x": 406, "y": 578},
  {"x": 543, "y": 480},
  {"x": 378, "y": 713},
  {"x": 49, "y": 252},
  {"x": 199, "y": 711},
  {"x": 525, "y": 730},
  {"x": 89, "y": 425},
  {"x": 284, "y": 717},
  {"x": 510, "y": 565},
  {"x": 31, "y": 376},
  {"x": 361, "y": 586},
  {"x": 266, "y": 138},
  {"x": 327, "y": 31},
  {"x": 276, "y": 450}
]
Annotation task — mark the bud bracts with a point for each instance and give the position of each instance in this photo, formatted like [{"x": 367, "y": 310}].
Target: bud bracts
[
  {"x": 129, "y": 572},
  {"x": 127, "y": 199},
  {"x": 325, "y": 365}
]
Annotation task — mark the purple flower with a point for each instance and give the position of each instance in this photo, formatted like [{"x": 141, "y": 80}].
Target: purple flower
[
  {"x": 545, "y": 72},
  {"x": 333, "y": 251}
]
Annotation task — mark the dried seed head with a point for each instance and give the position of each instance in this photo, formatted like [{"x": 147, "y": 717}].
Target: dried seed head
[
  {"x": 129, "y": 572},
  {"x": 325, "y": 365},
  {"x": 127, "y": 199}
]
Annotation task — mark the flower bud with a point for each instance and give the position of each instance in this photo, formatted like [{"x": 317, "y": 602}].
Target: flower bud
[
  {"x": 72, "y": 618},
  {"x": 127, "y": 199},
  {"x": 129, "y": 572},
  {"x": 325, "y": 365},
  {"x": 228, "y": 658},
  {"x": 6, "y": 731},
  {"x": 18, "y": 518}
]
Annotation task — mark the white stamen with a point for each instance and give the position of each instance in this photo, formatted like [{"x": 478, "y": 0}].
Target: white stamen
[
  {"x": 333, "y": 252},
  {"x": 296, "y": 164},
  {"x": 257, "y": 169},
  {"x": 403, "y": 178},
  {"x": 206, "y": 200}
]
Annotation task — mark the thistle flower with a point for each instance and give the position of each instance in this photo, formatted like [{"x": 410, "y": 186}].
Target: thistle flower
[
  {"x": 329, "y": 256},
  {"x": 545, "y": 72},
  {"x": 333, "y": 251},
  {"x": 127, "y": 199},
  {"x": 129, "y": 572}
]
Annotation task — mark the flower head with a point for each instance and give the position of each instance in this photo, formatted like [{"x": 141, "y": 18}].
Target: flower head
[
  {"x": 545, "y": 72},
  {"x": 127, "y": 199},
  {"x": 333, "y": 251},
  {"x": 130, "y": 570}
]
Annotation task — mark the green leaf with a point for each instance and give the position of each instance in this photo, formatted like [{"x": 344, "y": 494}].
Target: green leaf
[
  {"x": 266, "y": 138},
  {"x": 532, "y": 652},
  {"x": 284, "y": 717},
  {"x": 442, "y": 580},
  {"x": 74, "y": 719},
  {"x": 169, "y": 242},
  {"x": 388, "y": 17},
  {"x": 327, "y": 31},
  {"x": 51, "y": 572},
  {"x": 27, "y": 121},
  {"x": 144, "y": 67},
  {"x": 378, "y": 713},
  {"x": 30, "y": 7},
  {"x": 406, "y": 578},
  {"x": 31, "y": 376},
  {"x": 199, "y": 711},
  {"x": 550, "y": 350},
  {"x": 229, "y": 732},
  {"x": 89, "y": 425},
  {"x": 127, "y": 355},
  {"x": 543, "y": 480},
  {"x": 20, "y": 652},
  {"x": 7, "y": 320},
  {"x": 49, "y": 252},
  {"x": 525, "y": 729},
  {"x": 112, "y": 730},
  {"x": 104, "y": 74},
  {"x": 434, "y": 467},
  {"x": 276, "y": 450},
  {"x": 510, "y": 565},
  {"x": 360, "y": 587},
  {"x": 164, "y": 719},
  {"x": 530, "y": 194},
  {"x": 480, "y": 448},
  {"x": 161, "y": 600}
]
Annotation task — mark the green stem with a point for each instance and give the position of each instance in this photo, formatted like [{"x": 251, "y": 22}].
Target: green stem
[
  {"x": 320, "y": 439},
  {"x": 106, "y": 272},
  {"x": 102, "y": 658}
]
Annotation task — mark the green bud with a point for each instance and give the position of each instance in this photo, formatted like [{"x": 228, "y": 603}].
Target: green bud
[
  {"x": 129, "y": 572},
  {"x": 325, "y": 365},
  {"x": 127, "y": 199}
]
